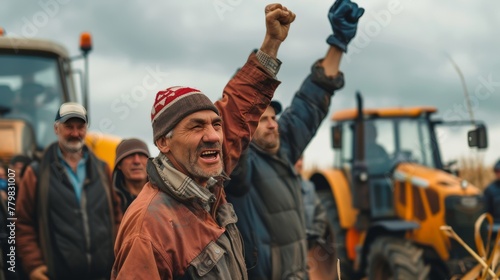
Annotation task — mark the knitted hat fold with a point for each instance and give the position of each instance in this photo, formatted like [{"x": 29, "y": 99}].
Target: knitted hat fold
[{"x": 174, "y": 104}]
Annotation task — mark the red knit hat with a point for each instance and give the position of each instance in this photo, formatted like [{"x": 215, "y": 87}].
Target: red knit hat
[{"x": 174, "y": 104}]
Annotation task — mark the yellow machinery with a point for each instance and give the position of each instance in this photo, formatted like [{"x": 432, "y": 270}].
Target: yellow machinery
[
  {"x": 35, "y": 79},
  {"x": 389, "y": 192}
]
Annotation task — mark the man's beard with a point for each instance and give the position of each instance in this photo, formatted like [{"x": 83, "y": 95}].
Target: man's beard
[
  {"x": 269, "y": 141},
  {"x": 72, "y": 145}
]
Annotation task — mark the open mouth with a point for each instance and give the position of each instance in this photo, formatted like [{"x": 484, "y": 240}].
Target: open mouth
[{"x": 210, "y": 155}]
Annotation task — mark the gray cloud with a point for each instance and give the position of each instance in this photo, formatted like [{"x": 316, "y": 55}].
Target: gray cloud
[{"x": 398, "y": 58}]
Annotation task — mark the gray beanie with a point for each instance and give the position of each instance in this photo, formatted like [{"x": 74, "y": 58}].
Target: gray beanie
[{"x": 128, "y": 147}]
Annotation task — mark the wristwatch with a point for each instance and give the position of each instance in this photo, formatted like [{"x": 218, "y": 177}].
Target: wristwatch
[{"x": 271, "y": 64}]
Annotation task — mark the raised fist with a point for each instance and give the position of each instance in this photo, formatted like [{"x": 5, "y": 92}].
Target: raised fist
[{"x": 278, "y": 20}]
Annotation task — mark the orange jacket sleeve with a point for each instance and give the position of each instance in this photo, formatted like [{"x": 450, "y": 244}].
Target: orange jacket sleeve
[
  {"x": 245, "y": 98},
  {"x": 27, "y": 229}
]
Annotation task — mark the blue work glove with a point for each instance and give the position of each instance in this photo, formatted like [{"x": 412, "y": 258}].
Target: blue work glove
[{"x": 343, "y": 16}]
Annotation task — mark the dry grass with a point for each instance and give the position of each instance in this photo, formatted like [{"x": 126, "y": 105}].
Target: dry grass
[{"x": 475, "y": 171}]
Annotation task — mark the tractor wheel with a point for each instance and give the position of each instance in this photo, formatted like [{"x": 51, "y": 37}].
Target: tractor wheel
[
  {"x": 339, "y": 233},
  {"x": 397, "y": 259}
]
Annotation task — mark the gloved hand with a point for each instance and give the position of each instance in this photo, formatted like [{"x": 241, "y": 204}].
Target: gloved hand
[{"x": 343, "y": 16}]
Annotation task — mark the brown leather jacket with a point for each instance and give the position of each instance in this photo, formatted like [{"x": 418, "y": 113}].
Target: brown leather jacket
[{"x": 164, "y": 236}]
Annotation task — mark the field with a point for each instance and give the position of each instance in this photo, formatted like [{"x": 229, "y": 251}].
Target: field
[{"x": 474, "y": 171}]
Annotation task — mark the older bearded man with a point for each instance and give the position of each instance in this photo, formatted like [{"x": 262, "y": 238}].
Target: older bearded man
[{"x": 67, "y": 211}]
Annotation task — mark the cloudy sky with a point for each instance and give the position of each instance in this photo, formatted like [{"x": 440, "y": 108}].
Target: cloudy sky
[{"x": 400, "y": 56}]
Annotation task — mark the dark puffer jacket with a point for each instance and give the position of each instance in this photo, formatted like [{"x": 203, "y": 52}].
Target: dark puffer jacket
[
  {"x": 73, "y": 238},
  {"x": 266, "y": 191},
  {"x": 492, "y": 200}
]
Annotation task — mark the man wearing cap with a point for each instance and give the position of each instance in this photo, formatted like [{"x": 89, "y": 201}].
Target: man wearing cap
[
  {"x": 492, "y": 194},
  {"x": 67, "y": 210},
  {"x": 265, "y": 189},
  {"x": 129, "y": 174},
  {"x": 180, "y": 226}
]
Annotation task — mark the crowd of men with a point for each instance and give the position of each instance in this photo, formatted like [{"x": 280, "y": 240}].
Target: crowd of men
[{"x": 177, "y": 215}]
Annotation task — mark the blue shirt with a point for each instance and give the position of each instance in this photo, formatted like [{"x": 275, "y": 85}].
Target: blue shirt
[{"x": 77, "y": 178}]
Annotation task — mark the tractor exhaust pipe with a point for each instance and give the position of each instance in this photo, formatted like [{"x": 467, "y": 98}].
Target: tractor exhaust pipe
[{"x": 360, "y": 184}]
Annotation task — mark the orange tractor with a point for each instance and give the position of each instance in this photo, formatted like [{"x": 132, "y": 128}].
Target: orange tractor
[
  {"x": 36, "y": 77},
  {"x": 389, "y": 193}
]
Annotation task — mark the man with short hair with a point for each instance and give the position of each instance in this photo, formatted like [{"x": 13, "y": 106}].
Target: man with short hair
[
  {"x": 180, "y": 226},
  {"x": 129, "y": 174},
  {"x": 67, "y": 210},
  {"x": 264, "y": 189}
]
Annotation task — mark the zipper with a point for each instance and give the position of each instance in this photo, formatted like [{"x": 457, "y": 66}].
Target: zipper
[{"x": 86, "y": 227}]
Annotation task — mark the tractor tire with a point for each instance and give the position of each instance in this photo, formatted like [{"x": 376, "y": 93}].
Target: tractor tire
[
  {"x": 328, "y": 202},
  {"x": 397, "y": 259}
]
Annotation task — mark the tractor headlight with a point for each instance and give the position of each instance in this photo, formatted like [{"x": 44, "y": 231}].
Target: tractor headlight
[{"x": 464, "y": 184}]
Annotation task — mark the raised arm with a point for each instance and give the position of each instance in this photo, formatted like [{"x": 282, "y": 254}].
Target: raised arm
[
  {"x": 278, "y": 20},
  {"x": 249, "y": 92},
  {"x": 312, "y": 101},
  {"x": 343, "y": 17}
]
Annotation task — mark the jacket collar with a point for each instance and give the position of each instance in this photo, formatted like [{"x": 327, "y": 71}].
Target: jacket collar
[{"x": 179, "y": 185}]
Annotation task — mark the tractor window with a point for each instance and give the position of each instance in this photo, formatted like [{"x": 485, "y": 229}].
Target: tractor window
[
  {"x": 34, "y": 92},
  {"x": 415, "y": 142},
  {"x": 389, "y": 141},
  {"x": 379, "y": 145},
  {"x": 344, "y": 157}
]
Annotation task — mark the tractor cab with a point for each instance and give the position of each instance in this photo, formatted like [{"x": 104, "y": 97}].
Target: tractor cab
[
  {"x": 36, "y": 77},
  {"x": 389, "y": 136},
  {"x": 383, "y": 138},
  {"x": 31, "y": 90}
]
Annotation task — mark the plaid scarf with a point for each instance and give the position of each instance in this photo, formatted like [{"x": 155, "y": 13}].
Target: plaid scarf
[{"x": 182, "y": 186}]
